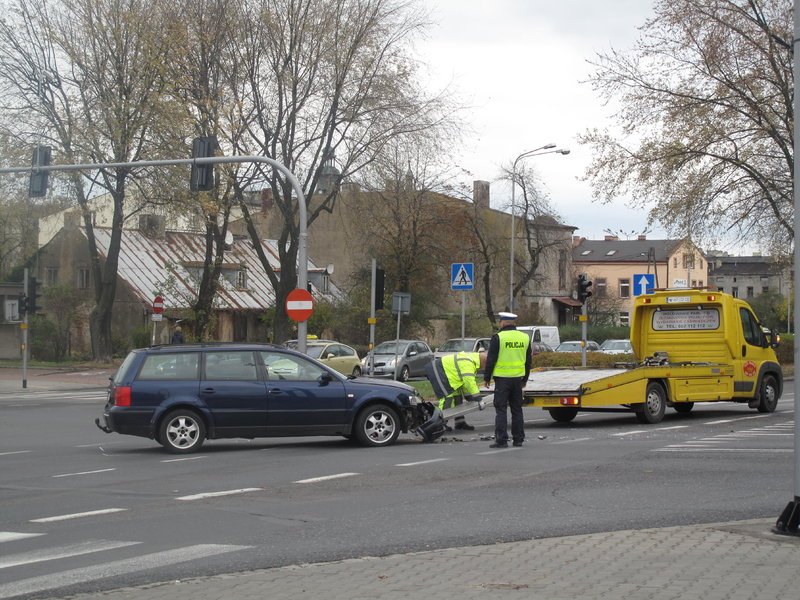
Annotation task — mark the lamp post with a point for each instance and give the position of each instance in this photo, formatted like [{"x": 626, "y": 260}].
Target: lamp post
[{"x": 550, "y": 149}]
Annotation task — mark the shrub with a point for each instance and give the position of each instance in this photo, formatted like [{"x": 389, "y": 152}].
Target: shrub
[
  {"x": 573, "y": 359},
  {"x": 785, "y": 350}
]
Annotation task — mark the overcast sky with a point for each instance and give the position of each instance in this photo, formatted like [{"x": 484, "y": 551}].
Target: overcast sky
[{"x": 519, "y": 65}]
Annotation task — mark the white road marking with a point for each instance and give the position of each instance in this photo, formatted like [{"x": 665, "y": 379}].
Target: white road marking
[
  {"x": 421, "y": 462},
  {"x": 218, "y": 494},
  {"x": 575, "y": 440},
  {"x": 14, "y": 452},
  {"x": 326, "y": 478},
  {"x": 115, "y": 568},
  {"x": 697, "y": 449},
  {"x": 87, "y": 547},
  {"x": 630, "y": 432},
  {"x": 170, "y": 460},
  {"x": 496, "y": 451},
  {"x": 10, "y": 536},
  {"x": 672, "y": 427},
  {"x": 83, "y": 473},
  {"x": 733, "y": 420},
  {"x": 93, "y": 513}
]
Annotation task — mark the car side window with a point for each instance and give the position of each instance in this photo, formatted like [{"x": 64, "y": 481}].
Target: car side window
[
  {"x": 167, "y": 367},
  {"x": 231, "y": 366},
  {"x": 288, "y": 367},
  {"x": 752, "y": 332},
  {"x": 346, "y": 351},
  {"x": 334, "y": 349}
]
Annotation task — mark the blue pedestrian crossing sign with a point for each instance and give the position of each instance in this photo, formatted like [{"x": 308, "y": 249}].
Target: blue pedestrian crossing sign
[
  {"x": 644, "y": 283},
  {"x": 462, "y": 276}
]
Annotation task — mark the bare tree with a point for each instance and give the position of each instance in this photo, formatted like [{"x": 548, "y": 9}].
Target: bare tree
[
  {"x": 705, "y": 119},
  {"x": 87, "y": 76},
  {"x": 326, "y": 78}
]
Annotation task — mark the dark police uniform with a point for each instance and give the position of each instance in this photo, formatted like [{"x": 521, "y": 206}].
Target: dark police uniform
[{"x": 508, "y": 362}]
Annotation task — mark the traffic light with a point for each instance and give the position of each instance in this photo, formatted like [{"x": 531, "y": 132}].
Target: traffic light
[
  {"x": 202, "y": 179},
  {"x": 380, "y": 284},
  {"x": 583, "y": 288},
  {"x": 22, "y": 305},
  {"x": 32, "y": 301},
  {"x": 37, "y": 186}
]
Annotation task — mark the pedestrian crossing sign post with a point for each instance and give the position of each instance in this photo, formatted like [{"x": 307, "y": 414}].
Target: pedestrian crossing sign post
[{"x": 462, "y": 276}]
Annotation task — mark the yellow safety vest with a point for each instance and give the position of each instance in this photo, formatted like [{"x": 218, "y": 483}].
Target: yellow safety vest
[{"x": 513, "y": 353}]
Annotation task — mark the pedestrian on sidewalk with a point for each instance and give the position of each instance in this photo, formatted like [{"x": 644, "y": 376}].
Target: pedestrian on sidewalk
[
  {"x": 177, "y": 336},
  {"x": 509, "y": 363},
  {"x": 452, "y": 378}
]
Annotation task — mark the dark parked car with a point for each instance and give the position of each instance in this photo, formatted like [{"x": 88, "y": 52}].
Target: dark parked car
[
  {"x": 181, "y": 395},
  {"x": 412, "y": 357}
]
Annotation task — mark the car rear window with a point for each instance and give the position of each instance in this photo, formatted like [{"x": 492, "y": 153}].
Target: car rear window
[
  {"x": 122, "y": 373},
  {"x": 169, "y": 366}
]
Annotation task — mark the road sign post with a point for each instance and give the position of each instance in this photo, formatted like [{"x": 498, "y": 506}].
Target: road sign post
[
  {"x": 157, "y": 315},
  {"x": 462, "y": 278}
]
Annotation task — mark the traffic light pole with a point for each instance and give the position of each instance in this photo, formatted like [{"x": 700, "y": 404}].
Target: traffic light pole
[
  {"x": 584, "y": 321},
  {"x": 302, "y": 209},
  {"x": 25, "y": 333}
]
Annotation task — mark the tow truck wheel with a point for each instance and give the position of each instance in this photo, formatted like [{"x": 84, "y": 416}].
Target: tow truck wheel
[
  {"x": 768, "y": 394},
  {"x": 377, "y": 425},
  {"x": 683, "y": 407},
  {"x": 563, "y": 415},
  {"x": 655, "y": 402}
]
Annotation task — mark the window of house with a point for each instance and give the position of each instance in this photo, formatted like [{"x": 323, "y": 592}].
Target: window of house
[
  {"x": 720, "y": 279},
  {"x": 50, "y": 276},
  {"x": 735, "y": 292},
  {"x": 624, "y": 288},
  {"x": 624, "y": 318},
  {"x": 721, "y": 289},
  {"x": 765, "y": 289},
  {"x": 688, "y": 261},
  {"x": 694, "y": 282},
  {"x": 700, "y": 283},
  {"x": 12, "y": 309},
  {"x": 562, "y": 269},
  {"x": 675, "y": 262},
  {"x": 600, "y": 285},
  {"x": 84, "y": 278},
  {"x": 750, "y": 291},
  {"x": 241, "y": 278}
]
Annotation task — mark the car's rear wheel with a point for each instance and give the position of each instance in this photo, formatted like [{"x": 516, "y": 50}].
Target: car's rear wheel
[
  {"x": 377, "y": 425},
  {"x": 356, "y": 371},
  {"x": 182, "y": 431}
]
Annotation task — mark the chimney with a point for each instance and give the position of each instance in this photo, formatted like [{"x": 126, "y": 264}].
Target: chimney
[
  {"x": 152, "y": 226},
  {"x": 611, "y": 238},
  {"x": 480, "y": 193},
  {"x": 267, "y": 201},
  {"x": 576, "y": 240},
  {"x": 641, "y": 237}
]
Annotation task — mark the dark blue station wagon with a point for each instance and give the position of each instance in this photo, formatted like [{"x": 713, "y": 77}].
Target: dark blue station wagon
[{"x": 182, "y": 395}]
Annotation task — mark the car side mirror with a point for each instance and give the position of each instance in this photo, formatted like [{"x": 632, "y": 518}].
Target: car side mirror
[
  {"x": 412, "y": 353},
  {"x": 329, "y": 355}
]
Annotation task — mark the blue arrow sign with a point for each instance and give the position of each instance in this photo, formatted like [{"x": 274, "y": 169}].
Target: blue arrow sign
[
  {"x": 644, "y": 283},
  {"x": 462, "y": 276}
]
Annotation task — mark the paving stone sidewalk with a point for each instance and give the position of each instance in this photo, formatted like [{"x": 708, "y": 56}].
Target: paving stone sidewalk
[{"x": 733, "y": 561}]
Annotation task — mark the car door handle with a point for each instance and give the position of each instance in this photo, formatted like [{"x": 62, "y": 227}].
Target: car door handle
[
  {"x": 275, "y": 391},
  {"x": 209, "y": 390}
]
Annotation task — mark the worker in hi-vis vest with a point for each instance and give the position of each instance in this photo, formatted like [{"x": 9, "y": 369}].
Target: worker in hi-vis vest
[
  {"x": 452, "y": 378},
  {"x": 508, "y": 362}
]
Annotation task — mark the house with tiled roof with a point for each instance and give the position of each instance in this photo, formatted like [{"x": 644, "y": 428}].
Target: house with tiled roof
[
  {"x": 154, "y": 260},
  {"x": 615, "y": 267}
]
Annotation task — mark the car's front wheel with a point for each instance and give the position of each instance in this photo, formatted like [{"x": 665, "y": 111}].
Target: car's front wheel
[
  {"x": 182, "y": 431},
  {"x": 377, "y": 425},
  {"x": 768, "y": 401},
  {"x": 405, "y": 374}
]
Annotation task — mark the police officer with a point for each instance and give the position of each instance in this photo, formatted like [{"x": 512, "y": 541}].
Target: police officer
[
  {"x": 508, "y": 362},
  {"x": 452, "y": 378}
]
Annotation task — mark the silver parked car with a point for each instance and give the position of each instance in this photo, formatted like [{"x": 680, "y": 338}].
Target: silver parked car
[
  {"x": 412, "y": 356},
  {"x": 616, "y": 347},
  {"x": 462, "y": 345},
  {"x": 575, "y": 346}
]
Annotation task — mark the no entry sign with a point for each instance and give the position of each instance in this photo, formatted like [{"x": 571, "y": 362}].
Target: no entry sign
[
  {"x": 299, "y": 305},
  {"x": 158, "y": 305}
]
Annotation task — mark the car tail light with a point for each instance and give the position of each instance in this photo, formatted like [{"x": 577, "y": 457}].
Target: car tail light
[
  {"x": 122, "y": 396},
  {"x": 570, "y": 401}
]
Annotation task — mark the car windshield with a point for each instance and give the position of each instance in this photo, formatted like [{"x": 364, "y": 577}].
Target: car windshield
[
  {"x": 391, "y": 348},
  {"x": 456, "y": 346},
  {"x": 616, "y": 345},
  {"x": 570, "y": 347}
]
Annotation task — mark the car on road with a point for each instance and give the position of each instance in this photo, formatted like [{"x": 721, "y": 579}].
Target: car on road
[
  {"x": 616, "y": 347},
  {"x": 182, "y": 395},
  {"x": 338, "y": 356},
  {"x": 575, "y": 346},
  {"x": 472, "y": 344},
  {"x": 400, "y": 359}
]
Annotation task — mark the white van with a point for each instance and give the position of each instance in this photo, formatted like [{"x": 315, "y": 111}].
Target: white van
[{"x": 542, "y": 333}]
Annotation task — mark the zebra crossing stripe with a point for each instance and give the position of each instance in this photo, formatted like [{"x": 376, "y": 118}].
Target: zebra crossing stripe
[
  {"x": 10, "y": 536},
  {"x": 26, "y": 558},
  {"x": 112, "y": 569}
]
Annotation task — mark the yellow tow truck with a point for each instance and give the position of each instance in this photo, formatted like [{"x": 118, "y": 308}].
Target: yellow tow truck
[{"x": 693, "y": 345}]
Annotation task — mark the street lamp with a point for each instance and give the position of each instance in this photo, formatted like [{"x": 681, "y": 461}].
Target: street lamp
[{"x": 550, "y": 149}]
